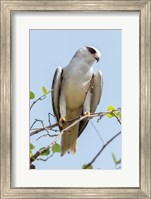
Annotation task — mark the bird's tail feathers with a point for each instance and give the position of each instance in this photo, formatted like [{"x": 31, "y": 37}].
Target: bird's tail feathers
[{"x": 69, "y": 140}]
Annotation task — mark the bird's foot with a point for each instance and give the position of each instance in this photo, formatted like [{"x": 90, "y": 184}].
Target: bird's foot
[
  {"x": 87, "y": 113},
  {"x": 62, "y": 121}
]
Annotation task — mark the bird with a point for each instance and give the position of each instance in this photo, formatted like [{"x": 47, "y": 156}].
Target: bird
[{"x": 76, "y": 91}]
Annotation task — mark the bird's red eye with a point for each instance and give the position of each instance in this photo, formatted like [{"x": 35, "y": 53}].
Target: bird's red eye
[{"x": 91, "y": 50}]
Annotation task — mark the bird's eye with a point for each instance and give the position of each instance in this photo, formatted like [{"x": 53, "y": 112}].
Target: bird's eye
[{"x": 91, "y": 50}]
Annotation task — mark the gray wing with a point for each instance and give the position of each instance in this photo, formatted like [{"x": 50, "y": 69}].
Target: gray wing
[
  {"x": 96, "y": 93},
  {"x": 55, "y": 94}
]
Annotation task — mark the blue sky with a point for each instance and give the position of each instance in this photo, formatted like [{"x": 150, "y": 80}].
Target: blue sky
[{"x": 50, "y": 49}]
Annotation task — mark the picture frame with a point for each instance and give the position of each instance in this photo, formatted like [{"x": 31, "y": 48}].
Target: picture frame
[{"x": 7, "y": 8}]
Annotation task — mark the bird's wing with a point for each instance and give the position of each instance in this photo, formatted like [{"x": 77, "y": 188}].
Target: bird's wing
[
  {"x": 96, "y": 92},
  {"x": 56, "y": 86}
]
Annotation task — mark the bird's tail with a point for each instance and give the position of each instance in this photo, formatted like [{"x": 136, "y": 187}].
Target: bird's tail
[{"x": 69, "y": 140}]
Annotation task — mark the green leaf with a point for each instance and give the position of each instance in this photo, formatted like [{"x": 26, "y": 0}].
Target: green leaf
[
  {"x": 45, "y": 153},
  {"x": 32, "y": 146},
  {"x": 56, "y": 148},
  {"x": 110, "y": 108},
  {"x": 118, "y": 161},
  {"x": 32, "y": 95},
  {"x": 118, "y": 114},
  {"x": 114, "y": 158},
  {"x": 109, "y": 115},
  {"x": 31, "y": 154},
  {"x": 89, "y": 167},
  {"x": 44, "y": 90}
]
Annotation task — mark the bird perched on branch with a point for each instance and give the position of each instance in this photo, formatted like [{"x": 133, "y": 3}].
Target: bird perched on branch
[{"x": 76, "y": 91}]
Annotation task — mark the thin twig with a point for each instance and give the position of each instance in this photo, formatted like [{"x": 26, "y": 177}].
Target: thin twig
[
  {"x": 52, "y": 115},
  {"x": 100, "y": 114},
  {"x": 49, "y": 119},
  {"x": 97, "y": 132},
  {"x": 41, "y": 151},
  {"x": 43, "y": 125},
  {"x": 103, "y": 147},
  {"x": 116, "y": 117},
  {"x": 47, "y": 134},
  {"x": 42, "y": 159},
  {"x": 37, "y": 120},
  {"x": 42, "y": 129},
  {"x": 33, "y": 124},
  {"x": 39, "y": 99}
]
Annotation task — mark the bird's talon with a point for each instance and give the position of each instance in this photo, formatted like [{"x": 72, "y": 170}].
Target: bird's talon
[
  {"x": 62, "y": 120},
  {"x": 87, "y": 113}
]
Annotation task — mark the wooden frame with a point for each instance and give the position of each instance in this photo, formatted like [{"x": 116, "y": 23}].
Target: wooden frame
[{"x": 141, "y": 6}]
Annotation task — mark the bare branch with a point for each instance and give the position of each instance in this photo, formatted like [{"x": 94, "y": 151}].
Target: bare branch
[
  {"x": 100, "y": 114},
  {"x": 42, "y": 159},
  {"x": 39, "y": 99},
  {"x": 103, "y": 147},
  {"x": 43, "y": 129},
  {"x": 97, "y": 132},
  {"x": 116, "y": 117},
  {"x": 41, "y": 151},
  {"x": 47, "y": 134},
  {"x": 33, "y": 124}
]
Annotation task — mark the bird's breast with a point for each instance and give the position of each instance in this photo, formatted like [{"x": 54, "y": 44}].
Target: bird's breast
[{"x": 75, "y": 90}]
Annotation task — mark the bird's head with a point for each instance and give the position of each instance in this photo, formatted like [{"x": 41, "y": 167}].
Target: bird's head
[
  {"x": 88, "y": 54},
  {"x": 93, "y": 52}
]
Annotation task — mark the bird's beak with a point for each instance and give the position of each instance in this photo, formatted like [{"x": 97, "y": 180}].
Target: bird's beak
[{"x": 97, "y": 58}]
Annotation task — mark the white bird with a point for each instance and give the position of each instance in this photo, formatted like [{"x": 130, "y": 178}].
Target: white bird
[{"x": 76, "y": 91}]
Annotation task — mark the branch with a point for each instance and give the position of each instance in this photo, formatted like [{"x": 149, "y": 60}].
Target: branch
[
  {"x": 76, "y": 121},
  {"x": 39, "y": 99},
  {"x": 97, "y": 132},
  {"x": 47, "y": 134},
  {"x": 43, "y": 129},
  {"x": 50, "y": 127},
  {"x": 57, "y": 124},
  {"x": 119, "y": 121},
  {"x": 41, "y": 151},
  {"x": 103, "y": 147},
  {"x": 50, "y": 114},
  {"x": 42, "y": 159}
]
